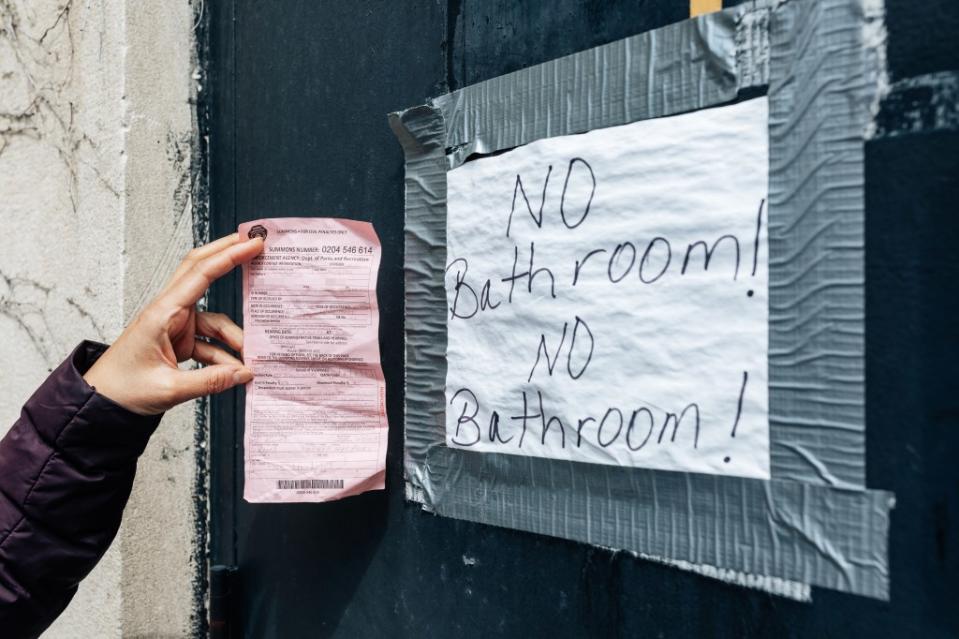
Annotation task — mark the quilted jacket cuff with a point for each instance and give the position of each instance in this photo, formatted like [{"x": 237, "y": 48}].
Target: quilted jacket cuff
[{"x": 87, "y": 426}]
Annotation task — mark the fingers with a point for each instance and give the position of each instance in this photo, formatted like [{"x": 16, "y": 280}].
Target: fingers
[
  {"x": 215, "y": 246},
  {"x": 201, "y": 252},
  {"x": 206, "y": 353},
  {"x": 208, "y": 380},
  {"x": 191, "y": 286},
  {"x": 220, "y": 327}
]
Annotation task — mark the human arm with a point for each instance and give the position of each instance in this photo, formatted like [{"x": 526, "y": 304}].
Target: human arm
[{"x": 67, "y": 464}]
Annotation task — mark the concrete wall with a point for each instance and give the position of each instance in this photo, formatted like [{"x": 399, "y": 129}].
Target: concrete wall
[{"x": 96, "y": 143}]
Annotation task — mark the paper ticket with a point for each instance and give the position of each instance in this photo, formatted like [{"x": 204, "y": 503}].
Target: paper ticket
[{"x": 316, "y": 427}]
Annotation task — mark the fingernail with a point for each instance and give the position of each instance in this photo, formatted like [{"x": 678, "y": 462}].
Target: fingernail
[{"x": 242, "y": 376}]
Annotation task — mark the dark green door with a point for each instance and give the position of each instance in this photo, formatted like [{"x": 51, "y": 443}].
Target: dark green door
[{"x": 295, "y": 110}]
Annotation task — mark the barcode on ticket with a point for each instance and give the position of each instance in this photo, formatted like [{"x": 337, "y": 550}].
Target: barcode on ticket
[{"x": 300, "y": 484}]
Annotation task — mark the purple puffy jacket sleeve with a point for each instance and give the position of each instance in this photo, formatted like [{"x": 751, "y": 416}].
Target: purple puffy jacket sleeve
[{"x": 66, "y": 469}]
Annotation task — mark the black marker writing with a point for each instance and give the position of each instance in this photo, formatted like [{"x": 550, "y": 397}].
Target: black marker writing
[
  {"x": 620, "y": 248},
  {"x": 460, "y": 287},
  {"x": 581, "y": 264},
  {"x": 644, "y": 262},
  {"x": 529, "y": 274},
  {"x": 466, "y": 419},
  {"x": 672, "y": 418},
  {"x": 592, "y": 192},
  {"x": 625, "y": 426},
  {"x": 739, "y": 403},
  {"x": 612, "y": 429},
  {"x": 548, "y": 423},
  {"x": 602, "y": 424},
  {"x": 541, "y": 349},
  {"x": 708, "y": 253},
  {"x": 525, "y": 417},
  {"x": 632, "y": 422},
  {"x": 518, "y": 188},
  {"x": 575, "y": 370},
  {"x": 494, "y": 435},
  {"x": 572, "y": 347},
  {"x": 759, "y": 226}
]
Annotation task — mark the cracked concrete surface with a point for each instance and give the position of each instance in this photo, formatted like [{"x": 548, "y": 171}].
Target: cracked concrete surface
[{"x": 96, "y": 141}]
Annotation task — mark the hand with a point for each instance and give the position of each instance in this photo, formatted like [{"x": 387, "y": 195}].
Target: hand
[{"x": 139, "y": 372}]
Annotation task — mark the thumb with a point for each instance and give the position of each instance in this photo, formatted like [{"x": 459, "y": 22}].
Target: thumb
[{"x": 208, "y": 381}]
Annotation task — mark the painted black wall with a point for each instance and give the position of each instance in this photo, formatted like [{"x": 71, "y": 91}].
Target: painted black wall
[{"x": 298, "y": 99}]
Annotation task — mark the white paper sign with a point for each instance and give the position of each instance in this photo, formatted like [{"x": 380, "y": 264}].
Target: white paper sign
[{"x": 608, "y": 294}]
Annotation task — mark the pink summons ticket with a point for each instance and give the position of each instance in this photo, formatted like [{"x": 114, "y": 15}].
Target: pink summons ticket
[{"x": 316, "y": 426}]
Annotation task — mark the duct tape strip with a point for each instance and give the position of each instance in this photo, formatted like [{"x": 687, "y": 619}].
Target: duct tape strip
[
  {"x": 682, "y": 67},
  {"x": 790, "y": 589},
  {"x": 923, "y": 104},
  {"x": 422, "y": 134},
  {"x": 812, "y": 523},
  {"x": 795, "y": 531},
  {"x": 819, "y": 109}
]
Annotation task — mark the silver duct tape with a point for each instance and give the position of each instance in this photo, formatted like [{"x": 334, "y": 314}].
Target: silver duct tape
[
  {"x": 822, "y": 87},
  {"x": 791, "y": 530},
  {"x": 421, "y": 132},
  {"x": 789, "y": 589},
  {"x": 813, "y": 524},
  {"x": 922, "y": 104},
  {"x": 682, "y": 67}
]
